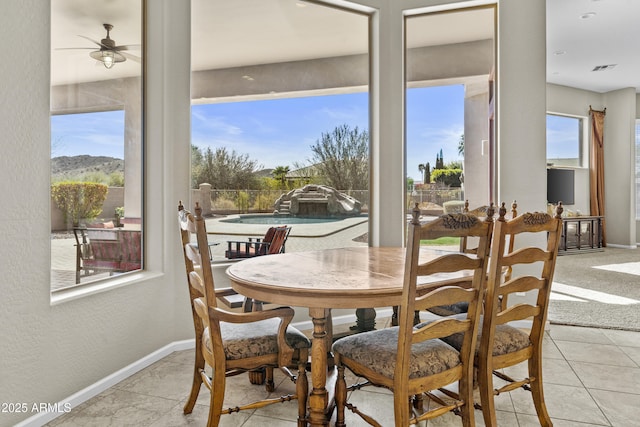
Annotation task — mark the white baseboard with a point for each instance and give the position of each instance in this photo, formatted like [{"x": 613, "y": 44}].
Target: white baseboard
[
  {"x": 104, "y": 384},
  {"x": 613, "y": 245}
]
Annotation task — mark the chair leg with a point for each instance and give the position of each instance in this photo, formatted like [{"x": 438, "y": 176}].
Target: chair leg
[
  {"x": 485, "y": 383},
  {"x": 198, "y": 365},
  {"x": 268, "y": 382},
  {"x": 302, "y": 389},
  {"x": 465, "y": 389},
  {"x": 218, "y": 385},
  {"x": 401, "y": 409},
  {"x": 341, "y": 396},
  {"x": 537, "y": 392}
]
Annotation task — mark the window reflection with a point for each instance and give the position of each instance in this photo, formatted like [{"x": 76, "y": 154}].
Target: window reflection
[{"x": 96, "y": 140}]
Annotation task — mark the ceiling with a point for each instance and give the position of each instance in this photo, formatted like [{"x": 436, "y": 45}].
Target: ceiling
[{"x": 581, "y": 34}]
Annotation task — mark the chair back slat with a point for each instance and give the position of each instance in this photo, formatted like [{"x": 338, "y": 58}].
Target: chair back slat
[
  {"x": 442, "y": 328},
  {"x": 522, "y": 284},
  {"x": 448, "y": 264},
  {"x": 517, "y": 312}
]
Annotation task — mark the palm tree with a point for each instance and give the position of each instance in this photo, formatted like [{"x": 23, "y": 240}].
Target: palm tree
[{"x": 280, "y": 173}]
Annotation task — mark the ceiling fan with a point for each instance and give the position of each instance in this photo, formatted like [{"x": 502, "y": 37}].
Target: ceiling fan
[{"x": 109, "y": 53}]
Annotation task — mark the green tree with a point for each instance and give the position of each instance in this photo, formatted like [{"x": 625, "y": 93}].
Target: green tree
[
  {"x": 280, "y": 173},
  {"x": 224, "y": 170},
  {"x": 342, "y": 158},
  {"x": 461, "y": 145}
]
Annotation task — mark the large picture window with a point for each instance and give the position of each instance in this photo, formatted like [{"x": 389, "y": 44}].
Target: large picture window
[
  {"x": 280, "y": 122},
  {"x": 96, "y": 140}
]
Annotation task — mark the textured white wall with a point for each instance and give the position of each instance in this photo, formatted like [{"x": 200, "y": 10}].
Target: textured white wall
[{"x": 49, "y": 352}]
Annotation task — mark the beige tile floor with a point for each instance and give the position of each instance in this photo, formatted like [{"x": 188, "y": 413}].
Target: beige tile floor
[{"x": 592, "y": 378}]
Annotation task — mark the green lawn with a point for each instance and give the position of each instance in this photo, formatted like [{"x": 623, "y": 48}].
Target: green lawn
[{"x": 442, "y": 241}]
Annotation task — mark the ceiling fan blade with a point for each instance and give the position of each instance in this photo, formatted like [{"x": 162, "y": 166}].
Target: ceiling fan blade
[
  {"x": 128, "y": 47},
  {"x": 75, "y": 48},
  {"x": 131, "y": 57},
  {"x": 96, "y": 42}
]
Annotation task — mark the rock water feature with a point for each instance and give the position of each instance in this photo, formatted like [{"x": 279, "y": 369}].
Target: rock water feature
[{"x": 316, "y": 201}]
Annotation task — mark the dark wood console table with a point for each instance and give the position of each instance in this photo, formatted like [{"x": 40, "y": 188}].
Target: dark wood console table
[{"x": 581, "y": 234}]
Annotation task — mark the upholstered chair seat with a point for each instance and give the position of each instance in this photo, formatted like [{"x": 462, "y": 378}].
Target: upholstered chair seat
[
  {"x": 241, "y": 340},
  {"x": 378, "y": 351},
  {"x": 507, "y": 339}
]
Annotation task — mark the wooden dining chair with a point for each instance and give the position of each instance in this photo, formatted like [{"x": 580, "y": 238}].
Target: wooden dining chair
[
  {"x": 465, "y": 247},
  {"x": 412, "y": 361},
  {"x": 230, "y": 343},
  {"x": 502, "y": 344}
]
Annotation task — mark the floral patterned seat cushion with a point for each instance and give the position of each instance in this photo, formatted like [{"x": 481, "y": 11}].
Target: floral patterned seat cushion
[
  {"x": 507, "y": 339},
  {"x": 377, "y": 350},
  {"x": 242, "y": 340},
  {"x": 450, "y": 310}
]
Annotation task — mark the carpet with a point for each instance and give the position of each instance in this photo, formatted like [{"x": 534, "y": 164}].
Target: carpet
[{"x": 598, "y": 289}]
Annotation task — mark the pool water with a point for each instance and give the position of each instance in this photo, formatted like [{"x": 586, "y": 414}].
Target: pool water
[{"x": 285, "y": 220}]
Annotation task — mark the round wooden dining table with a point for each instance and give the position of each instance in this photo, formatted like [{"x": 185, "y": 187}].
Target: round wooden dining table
[{"x": 352, "y": 277}]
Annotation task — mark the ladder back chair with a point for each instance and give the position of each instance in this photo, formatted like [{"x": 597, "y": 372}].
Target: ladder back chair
[
  {"x": 502, "y": 345},
  {"x": 231, "y": 343},
  {"x": 412, "y": 361},
  {"x": 482, "y": 211}
]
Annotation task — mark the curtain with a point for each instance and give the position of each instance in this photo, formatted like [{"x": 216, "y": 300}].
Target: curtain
[{"x": 596, "y": 167}]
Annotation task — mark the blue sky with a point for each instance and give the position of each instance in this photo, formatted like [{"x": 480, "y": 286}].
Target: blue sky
[
  {"x": 280, "y": 132},
  {"x": 95, "y": 134},
  {"x": 563, "y": 137}
]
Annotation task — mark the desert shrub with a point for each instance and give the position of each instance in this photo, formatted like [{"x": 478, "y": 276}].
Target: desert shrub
[
  {"x": 96, "y": 177},
  {"x": 263, "y": 202},
  {"x": 242, "y": 201},
  {"x": 79, "y": 200},
  {"x": 116, "y": 179},
  {"x": 223, "y": 204}
]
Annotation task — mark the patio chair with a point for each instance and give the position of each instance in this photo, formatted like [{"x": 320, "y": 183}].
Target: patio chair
[
  {"x": 231, "y": 343},
  {"x": 273, "y": 242},
  {"x": 106, "y": 250},
  {"x": 412, "y": 361}
]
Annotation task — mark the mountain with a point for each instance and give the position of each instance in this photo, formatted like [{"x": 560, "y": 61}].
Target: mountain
[{"x": 65, "y": 167}]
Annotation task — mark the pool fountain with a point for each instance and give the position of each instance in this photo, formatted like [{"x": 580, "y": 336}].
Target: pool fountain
[{"x": 316, "y": 201}]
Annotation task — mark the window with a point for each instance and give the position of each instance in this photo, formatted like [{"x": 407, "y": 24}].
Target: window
[
  {"x": 264, "y": 92},
  {"x": 564, "y": 141},
  {"x": 96, "y": 141},
  {"x": 448, "y": 101}
]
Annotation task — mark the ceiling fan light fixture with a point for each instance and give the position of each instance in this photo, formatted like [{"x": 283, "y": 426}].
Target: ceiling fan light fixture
[{"x": 108, "y": 57}]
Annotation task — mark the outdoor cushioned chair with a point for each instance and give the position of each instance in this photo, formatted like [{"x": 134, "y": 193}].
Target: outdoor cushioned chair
[
  {"x": 231, "y": 343},
  {"x": 500, "y": 344},
  {"x": 273, "y": 242},
  {"x": 106, "y": 250},
  {"x": 413, "y": 361}
]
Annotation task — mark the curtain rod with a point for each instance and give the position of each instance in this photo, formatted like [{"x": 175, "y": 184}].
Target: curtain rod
[{"x": 596, "y": 111}]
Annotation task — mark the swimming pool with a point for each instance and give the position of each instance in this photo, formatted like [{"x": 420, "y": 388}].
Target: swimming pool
[{"x": 285, "y": 220}]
